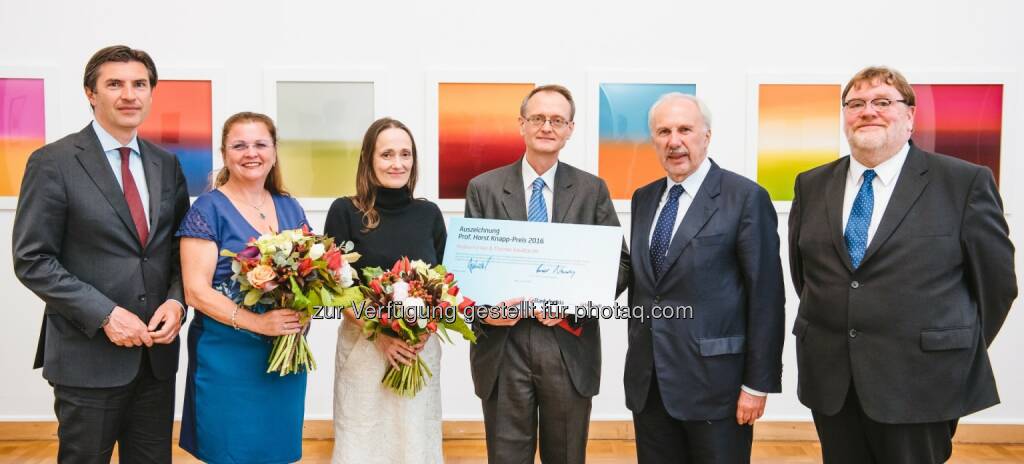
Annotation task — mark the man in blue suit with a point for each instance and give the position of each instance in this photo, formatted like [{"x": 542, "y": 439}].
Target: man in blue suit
[{"x": 706, "y": 270}]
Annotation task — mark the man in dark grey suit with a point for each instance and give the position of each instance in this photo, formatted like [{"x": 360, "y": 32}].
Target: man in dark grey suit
[
  {"x": 552, "y": 366},
  {"x": 94, "y": 239},
  {"x": 706, "y": 271},
  {"x": 905, "y": 274}
]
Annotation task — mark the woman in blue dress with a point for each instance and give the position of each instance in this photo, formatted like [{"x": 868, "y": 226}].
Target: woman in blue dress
[{"x": 234, "y": 411}]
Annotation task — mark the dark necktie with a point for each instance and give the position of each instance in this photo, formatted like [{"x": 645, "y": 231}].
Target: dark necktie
[
  {"x": 131, "y": 195},
  {"x": 859, "y": 220},
  {"x": 663, "y": 230}
]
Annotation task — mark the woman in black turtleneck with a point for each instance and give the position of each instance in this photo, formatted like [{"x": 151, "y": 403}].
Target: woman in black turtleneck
[{"x": 385, "y": 223}]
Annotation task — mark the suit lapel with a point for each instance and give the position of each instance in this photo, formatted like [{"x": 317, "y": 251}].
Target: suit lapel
[
  {"x": 646, "y": 207},
  {"x": 835, "y": 189},
  {"x": 697, "y": 216},
  {"x": 563, "y": 193},
  {"x": 95, "y": 163},
  {"x": 514, "y": 200},
  {"x": 910, "y": 182},
  {"x": 152, "y": 166}
]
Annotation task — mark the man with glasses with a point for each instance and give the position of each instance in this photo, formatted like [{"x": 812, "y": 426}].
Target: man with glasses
[
  {"x": 522, "y": 367},
  {"x": 905, "y": 273}
]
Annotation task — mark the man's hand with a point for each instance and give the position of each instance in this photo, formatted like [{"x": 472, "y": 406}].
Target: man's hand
[
  {"x": 502, "y": 308},
  {"x": 749, "y": 408},
  {"x": 170, "y": 314},
  {"x": 125, "y": 329},
  {"x": 549, "y": 321}
]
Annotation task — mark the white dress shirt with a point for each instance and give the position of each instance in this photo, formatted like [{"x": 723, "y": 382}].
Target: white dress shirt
[
  {"x": 888, "y": 173},
  {"x": 691, "y": 185},
  {"x": 110, "y": 146},
  {"x": 548, "y": 192}
]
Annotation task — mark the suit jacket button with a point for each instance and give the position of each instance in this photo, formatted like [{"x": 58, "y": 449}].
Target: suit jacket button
[
  {"x": 657, "y": 299},
  {"x": 142, "y": 298},
  {"x": 853, "y": 333},
  {"x": 855, "y": 284},
  {"x": 145, "y": 260}
]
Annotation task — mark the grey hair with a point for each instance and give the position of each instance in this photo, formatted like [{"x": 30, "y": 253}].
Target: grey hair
[{"x": 705, "y": 112}]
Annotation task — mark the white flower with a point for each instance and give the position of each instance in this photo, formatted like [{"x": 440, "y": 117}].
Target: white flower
[
  {"x": 317, "y": 251},
  {"x": 345, "y": 277},
  {"x": 412, "y": 307},
  {"x": 236, "y": 266},
  {"x": 400, "y": 291}
]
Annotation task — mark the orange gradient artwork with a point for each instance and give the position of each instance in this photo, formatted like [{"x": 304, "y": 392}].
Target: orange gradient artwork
[{"x": 478, "y": 130}]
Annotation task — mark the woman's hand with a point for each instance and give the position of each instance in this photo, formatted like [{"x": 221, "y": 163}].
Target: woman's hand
[
  {"x": 278, "y": 322},
  {"x": 422, "y": 343},
  {"x": 396, "y": 351}
]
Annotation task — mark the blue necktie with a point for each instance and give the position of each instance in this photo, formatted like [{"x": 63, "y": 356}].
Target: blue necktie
[
  {"x": 860, "y": 218},
  {"x": 538, "y": 211},
  {"x": 663, "y": 230}
]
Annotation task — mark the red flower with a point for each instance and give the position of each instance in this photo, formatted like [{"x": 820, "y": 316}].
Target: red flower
[
  {"x": 375, "y": 285},
  {"x": 397, "y": 268},
  {"x": 384, "y": 319},
  {"x": 432, "y": 326},
  {"x": 305, "y": 230},
  {"x": 466, "y": 303},
  {"x": 395, "y": 327},
  {"x": 449, "y": 277},
  {"x": 305, "y": 267},
  {"x": 333, "y": 259},
  {"x": 453, "y": 290}
]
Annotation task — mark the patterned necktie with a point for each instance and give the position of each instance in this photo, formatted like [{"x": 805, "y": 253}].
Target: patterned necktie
[
  {"x": 663, "y": 230},
  {"x": 860, "y": 218},
  {"x": 538, "y": 211},
  {"x": 131, "y": 195}
]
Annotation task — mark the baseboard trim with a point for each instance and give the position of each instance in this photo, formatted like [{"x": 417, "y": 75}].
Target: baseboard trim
[{"x": 599, "y": 430}]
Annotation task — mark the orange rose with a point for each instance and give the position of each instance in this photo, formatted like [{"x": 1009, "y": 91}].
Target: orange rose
[{"x": 261, "y": 276}]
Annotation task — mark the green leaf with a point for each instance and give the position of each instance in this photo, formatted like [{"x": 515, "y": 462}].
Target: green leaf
[
  {"x": 444, "y": 333},
  {"x": 347, "y": 297},
  {"x": 228, "y": 253},
  {"x": 460, "y": 326},
  {"x": 326, "y": 297},
  {"x": 252, "y": 297},
  {"x": 301, "y": 302},
  {"x": 370, "y": 273},
  {"x": 440, "y": 270}
]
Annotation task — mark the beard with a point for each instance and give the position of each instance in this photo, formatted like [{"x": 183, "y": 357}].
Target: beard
[{"x": 870, "y": 142}]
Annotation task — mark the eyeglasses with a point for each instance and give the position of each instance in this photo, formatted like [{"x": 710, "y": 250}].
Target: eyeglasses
[
  {"x": 878, "y": 104},
  {"x": 538, "y": 121},
  {"x": 260, "y": 146}
]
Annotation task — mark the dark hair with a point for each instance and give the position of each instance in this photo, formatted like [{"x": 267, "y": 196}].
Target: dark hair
[
  {"x": 550, "y": 88},
  {"x": 883, "y": 75},
  {"x": 119, "y": 54},
  {"x": 366, "y": 179},
  {"x": 274, "y": 182}
]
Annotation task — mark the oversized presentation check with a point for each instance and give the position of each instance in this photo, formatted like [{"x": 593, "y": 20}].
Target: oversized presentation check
[{"x": 495, "y": 260}]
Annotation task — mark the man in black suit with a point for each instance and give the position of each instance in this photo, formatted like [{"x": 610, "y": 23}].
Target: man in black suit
[
  {"x": 549, "y": 367},
  {"x": 905, "y": 274},
  {"x": 94, "y": 239},
  {"x": 706, "y": 271}
]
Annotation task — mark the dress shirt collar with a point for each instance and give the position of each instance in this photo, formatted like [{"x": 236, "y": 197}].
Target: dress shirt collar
[
  {"x": 109, "y": 143},
  {"x": 692, "y": 183},
  {"x": 529, "y": 175},
  {"x": 887, "y": 170}
]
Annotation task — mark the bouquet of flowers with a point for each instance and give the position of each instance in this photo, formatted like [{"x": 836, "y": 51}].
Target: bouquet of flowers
[
  {"x": 413, "y": 299},
  {"x": 299, "y": 270}
]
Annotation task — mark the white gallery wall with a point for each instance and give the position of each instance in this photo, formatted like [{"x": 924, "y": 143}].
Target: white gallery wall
[{"x": 411, "y": 45}]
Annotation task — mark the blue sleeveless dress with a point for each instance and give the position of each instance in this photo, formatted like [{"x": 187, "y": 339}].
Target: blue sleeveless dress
[{"x": 234, "y": 411}]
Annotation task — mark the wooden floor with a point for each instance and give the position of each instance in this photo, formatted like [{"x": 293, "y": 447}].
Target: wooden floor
[{"x": 598, "y": 452}]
